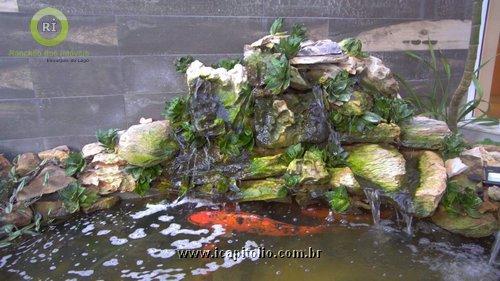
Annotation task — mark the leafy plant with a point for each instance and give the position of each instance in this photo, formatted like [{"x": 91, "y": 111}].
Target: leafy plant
[
  {"x": 453, "y": 145},
  {"x": 277, "y": 26},
  {"x": 457, "y": 200},
  {"x": 291, "y": 180},
  {"x": 289, "y": 46},
  {"x": 338, "y": 199},
  {"x": 277, "y": 77},
  {"x": 335, "y": 155},
  {"x": 182, "y": 63},
  {"x": 392, "y": 110},
  {"x": 143, "y": 177},
  {"x": 175, "y": 109},
  {"x": 292, "y": 152},
  {"x": 300, "y": 31},
  {"x": 488, "y": 141},
  {"x": 74, "y": 197},
  {"x": 108, "y": 138},
  {"x": 232, "y": 143},
  {"x": 349, "y": 124},
  {"x": 226, "y": 63},
  {"x": 353, "y": 47},
  {"x": 75, "y": 163},
  {"x": 339, "y": 89}
]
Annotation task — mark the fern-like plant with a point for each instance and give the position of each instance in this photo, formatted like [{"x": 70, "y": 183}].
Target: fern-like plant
[
  {"x": 75, "y": 163},
  {"x": 353, "y": 47},
  {"x": 227, "y": 63},
  {"x": 277, "y": 26},
  {"x": 277, "y": 78},
  {"x": 74, "y": 197},
  {"x": 108, "y": 139},
  {"x": 182, "y": 63},
  {"x": 143, "y": 177},
  {"x": 339, "y": 89},
  {"x": 338, "y": 199}
]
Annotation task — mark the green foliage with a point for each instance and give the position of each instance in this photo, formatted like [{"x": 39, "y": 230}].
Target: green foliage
[
  {"x": 392, "y": 110},
  {"x": 335, "y": 155},
  {"x": 457, "y": 200},
  {"x": 226, "y": 63},
  {"x": 353, "y": 47},
  {"x": 292, "y": 152},
  {"x": 338, "y": 199},
  {"x": 291, "y": 180},
  {"x": 175, "y": 110},
  {"x": 276, "y": 27},
  {"x": 75, "y": 163},
  {"x": 11, "y": 232},
  {"x": 277, "y": 77},
  {"x": 108, "y": 139},
  {"x": 74, "y": 197},
  {"x": 182, "y": 63},
  {"x": 453, "y": 145},
  {"x": 339, "y": 89},
  {"x": 289, "y": 46},
  {"x": 300, "y": 31},
  {"x": 143, "y": 177},
  {"x": 488, "y": 141},
  {"x": 350, "y": 124},
  {"x": 232, "y": 143}
]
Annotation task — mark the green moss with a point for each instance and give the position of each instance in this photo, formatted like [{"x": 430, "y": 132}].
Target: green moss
[
  {"x": 267, "y": 166},
  {"x": 269, "y": 189}
]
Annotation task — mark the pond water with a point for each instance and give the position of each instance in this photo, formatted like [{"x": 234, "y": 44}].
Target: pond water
[{"x": 140, "y": 242}]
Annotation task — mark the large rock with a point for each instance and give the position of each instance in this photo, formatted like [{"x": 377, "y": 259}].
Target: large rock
[
  {"x": 147, "y": 144},
  {"x": 311, "y": 170},
  {"x": 106, "y": 173},
  {"x": 265, "y": 166},
  {"x": 289, "y": 119},
  {"x": 60, "y": 153},
  {"x": 19, "y": 216},
  {"x": 268, "y": 189},
  {"x": 103, "y": 203},
  {"x": 376, "y": 75},
  {"x": 494, "y": 193},
  {"x": 476, "y": 159},
  {"x": 26, "y": 163},
  {"x": 467, "y": 226},
  {"x": 344, "y": 177},
  {"x": 51, "y": 208},
  {"x": 319, "y": 48},
  {"x": 382, "y": 133},
  {"x": 432, "y": 184},
  {"x": 49, "y": 180},
  {"x": 5, "y": 166},
  {"x": 423, "y": 132},
  {"x": 384, "y": 166}
]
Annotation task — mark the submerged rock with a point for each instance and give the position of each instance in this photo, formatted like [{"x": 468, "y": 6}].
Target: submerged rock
[
  {"x": 311, "y": 170},
  {"x": 376, "y": 75},
  {"x": 49, "y": 180},
  {"x": 432, "y": 184},
  {"x": 60, "y": 153},
  {"x": 103, "y": 203},
  {"x": 344, "y": 177},
  {"x": 423, "y": 132},
  {"x": 384, "y": 166},
  {"x": 382, "y": 133},
  {"x": 146, "y": 145},
  {"x": 258, "y": 190},
  {"x": 26, "y": 163},
  {"x": 467, "y": 226}
]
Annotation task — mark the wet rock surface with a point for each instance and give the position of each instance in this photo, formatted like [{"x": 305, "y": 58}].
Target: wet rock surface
[
  {"x": 423, "y": 132},
  {"x": 49, "y": 180}
]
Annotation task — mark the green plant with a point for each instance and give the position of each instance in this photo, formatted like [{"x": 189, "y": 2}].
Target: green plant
[
  {"x": 457, "y": 200},
  {"x": 488, "y": 141},
  {"x": 143, "y": 177},
  {"x": 338, "y": 199},
  {"x": 339, "y": 89},
  {"x": 175, "y": 110},
  {"x": 276, "y": 27},
  {"x": 349, "y": 124},
  {"x": 392, "y": 110},
  {"x": 291, "y": 180},
  {"x": 292, "y": 152},
  {"x": 108, "y": 138},
  {"x": 300, "y": 31},
  {"x": 335, "y": 155},
  {"x": 12, "y": 232},
  {"x": 277, "y": 77},
  {"x": 353, "y": 47},
  {"x": 232, "y": 143},
  {"x": 289, "y": 46},
  {"x": 75, "y": 163},
  {"x": 453, "y": 145},
  {"x": 182, "y": 63},
  {"x": 74, "y": 197},
  {"x": 227, "y": 63}
]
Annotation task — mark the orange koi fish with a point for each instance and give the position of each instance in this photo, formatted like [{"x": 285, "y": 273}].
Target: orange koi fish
[{"x": 250, "y": 223}]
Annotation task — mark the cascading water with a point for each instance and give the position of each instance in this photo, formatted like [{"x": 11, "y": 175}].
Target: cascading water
[
  {"x": 373, "y": 196},
  {"x": 405, "y": 209},
  {"x": 495, "y": 249}
]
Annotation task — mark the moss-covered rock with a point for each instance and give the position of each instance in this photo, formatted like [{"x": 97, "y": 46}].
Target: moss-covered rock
[
  {"x": 467, "y": 226},
  {"x": 423, "y": 132},
  {"x": 432, "y": 184},
  {"x": 344, "y": 177},
  {"x": 384, "y": 166},
  {"x": 266, "y": 166},
  {"x": 382, "y": 133},
  {"x": 148, "y": 144},
  {"x": 310, "y": 170},
  {"x": 297, "y": 81},
  {"x": 258, "y": 190},
  {"x": 359, "y": 103}
]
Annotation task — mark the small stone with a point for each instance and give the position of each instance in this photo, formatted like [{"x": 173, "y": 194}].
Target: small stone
[
  {"x": 319, "y": 48},
  {"x": 378, "y": 76},
  {"x": 310, "y": 169},
  {"x": 92, "y": 149},
  {"x": 59, "y": 153},
  {"x": 297, "y": 81},
  {"x": 494, "y": 193},
  {"x": 145, "y": 120},
  {"x": 455, "y": 167},
  {"x": 103, "y": 203},
  {"x": 467, "y": 226},
  {"x": 19, "y": 216},
  {"x": 49, "y": 180},
  {"x": 344, "y": 177},
  {"x": 26, "y": 163}
]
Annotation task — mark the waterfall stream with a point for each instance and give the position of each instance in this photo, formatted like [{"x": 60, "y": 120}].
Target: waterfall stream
[
  {"x": 495, "y": 249},
  {"x": 373, "y": 196}
]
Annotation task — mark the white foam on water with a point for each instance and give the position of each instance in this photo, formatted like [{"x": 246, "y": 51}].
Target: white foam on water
[
  {"x": 155, "y": 208},
  {"x": 4, "y": 260},
  {"x": 186, "y": 244},
  {"x": 88, "y": 228},
  {"x": 103, "y": 232},
  {"x": 118, "y": 241},
  {"x": 165, "y": 218},
  {"x": 83, "y": 273},
  {"x": 161, "y": 253},
  {"x": 174, "y": 229},
  {"x": 157, "y": 274},
  {"x": 154, "y": 225},
  {"x": 137, "y": 234},
  {"x": 139, "y": 262},
  {"x": 111, "y": 262}
]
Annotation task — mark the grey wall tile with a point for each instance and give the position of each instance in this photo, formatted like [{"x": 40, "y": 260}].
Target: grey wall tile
[
  {"x": 423, "y": 88},
  {"x": 81, "y": 116},
  {"x": 146, "y": 105},
  {"x": 11, "y": 148},
  {"x": 139, "y": 35},
  {"x": 344, "y": 28},
  {"x": 8, "y": 6},
  {"x": 16, "y": 34},
  {"x": 73, "y": 142},
  {"x": 15, "y": 79},
  {"x": 344, "y": 8},
  {"x": 189, "y": 7},
  {"x": 20, "y": 119},
  {"x": 448, "y": 9},
  {"x": 98, "y": 77},
  {"x": 317, "y": 28},
  {"x": 73, "y": 7}
]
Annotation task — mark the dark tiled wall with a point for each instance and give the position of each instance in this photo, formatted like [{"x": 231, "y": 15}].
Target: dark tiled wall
[{"x": 132, "y": 45}]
